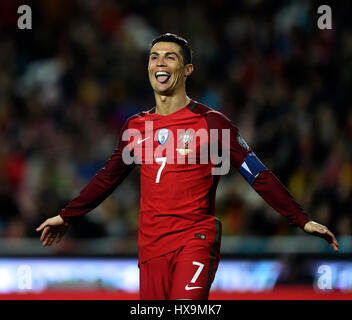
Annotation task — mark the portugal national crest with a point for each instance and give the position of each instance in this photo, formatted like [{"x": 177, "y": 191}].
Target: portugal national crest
[
  {"x": 185, "y": 138},
  {"x": 163, "y": 134}
]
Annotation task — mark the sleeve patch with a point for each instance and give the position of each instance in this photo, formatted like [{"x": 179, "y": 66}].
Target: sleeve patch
[{"x": 251, "y": 167}]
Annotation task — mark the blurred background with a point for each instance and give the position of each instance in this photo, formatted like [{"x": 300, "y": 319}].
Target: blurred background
[{"x": 68, "y": 84}]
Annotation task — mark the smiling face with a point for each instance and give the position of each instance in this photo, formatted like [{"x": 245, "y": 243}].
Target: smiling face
[{"x": 166, "y": 69}]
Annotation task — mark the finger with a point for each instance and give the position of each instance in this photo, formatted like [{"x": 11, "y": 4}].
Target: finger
[
  {"x": 45, "y": 233},
  {"x": 48, "y": 240},
  {"x": 59, "y": 237},
  {"x": 332, "y": 237},
  {"x": 41, "y": 226},
  {"x": 45, "y": 242},
  {"x": 335, "y": 246},
  {"x": 332, "y": 240},
  {"x": 52, "y": 239}
]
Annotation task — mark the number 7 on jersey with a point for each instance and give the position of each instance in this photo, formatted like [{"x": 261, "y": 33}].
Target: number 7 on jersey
[{"x": 161, "y": 160}]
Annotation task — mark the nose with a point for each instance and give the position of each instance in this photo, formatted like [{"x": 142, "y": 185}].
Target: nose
[{"x": 161, "y": 62}]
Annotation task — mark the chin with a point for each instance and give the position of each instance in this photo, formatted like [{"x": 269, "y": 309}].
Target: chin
[{"x": 165, "y": 92}]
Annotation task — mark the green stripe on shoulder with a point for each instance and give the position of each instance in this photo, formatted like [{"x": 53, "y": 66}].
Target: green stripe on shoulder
[{"x": 193, "y": 105}]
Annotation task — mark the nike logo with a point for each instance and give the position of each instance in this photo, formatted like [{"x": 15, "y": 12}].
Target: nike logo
[
  {"x": 191, "y": 288},
  {"x": 141, "y": 140}
]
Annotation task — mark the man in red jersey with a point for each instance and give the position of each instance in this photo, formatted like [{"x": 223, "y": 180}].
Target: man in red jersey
[{"x": 182, "y": 147}]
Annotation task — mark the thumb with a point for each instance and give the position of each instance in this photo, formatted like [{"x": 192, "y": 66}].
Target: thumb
[{"x": 41, "y": 227}]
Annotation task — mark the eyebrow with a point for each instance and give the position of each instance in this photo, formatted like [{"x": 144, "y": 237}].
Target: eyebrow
[{"x": 167, "y": 53}]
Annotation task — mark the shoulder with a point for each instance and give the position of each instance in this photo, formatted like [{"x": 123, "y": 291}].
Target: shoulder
[
  {"x": 214, "y": 118},
  {"x": 138, "y": 117}
]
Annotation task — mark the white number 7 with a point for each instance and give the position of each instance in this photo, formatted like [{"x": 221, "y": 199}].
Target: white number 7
[
  {"x": 163, "y": 163},
  {"x": 199, "y": 270}
]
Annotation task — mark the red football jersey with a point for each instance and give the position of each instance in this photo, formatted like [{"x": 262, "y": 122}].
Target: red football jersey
[{"x": 178, "y": 160}]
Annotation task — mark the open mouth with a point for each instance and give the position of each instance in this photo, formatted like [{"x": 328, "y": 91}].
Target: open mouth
[{"x": 162, "y": 76}]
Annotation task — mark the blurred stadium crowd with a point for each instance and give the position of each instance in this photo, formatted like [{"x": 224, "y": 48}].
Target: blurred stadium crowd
[{"x": 68, "y": 85}]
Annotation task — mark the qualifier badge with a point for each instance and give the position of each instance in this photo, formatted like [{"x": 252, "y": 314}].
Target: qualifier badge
[{"x": 185, "y": 138}]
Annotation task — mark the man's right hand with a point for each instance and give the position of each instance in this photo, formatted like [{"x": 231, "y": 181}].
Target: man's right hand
[{"x": 53, "y": 228}]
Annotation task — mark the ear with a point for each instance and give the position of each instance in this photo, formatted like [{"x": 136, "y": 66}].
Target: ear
[{"x": 188, "y": 70}]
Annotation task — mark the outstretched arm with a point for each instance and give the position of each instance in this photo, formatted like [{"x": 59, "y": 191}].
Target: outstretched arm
[
  {"x": 278, "y": 197},
  {"x": 266, "y": 184},
  {"x": 101, "y": 185},
  {"x": 96, "y": 191}
]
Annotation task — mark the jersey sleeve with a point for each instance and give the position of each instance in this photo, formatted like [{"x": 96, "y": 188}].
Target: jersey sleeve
[
  {"x": 262, "y": 180},
  {"x": 101, "y": 185},
  {"x": 269, "y": 187}
]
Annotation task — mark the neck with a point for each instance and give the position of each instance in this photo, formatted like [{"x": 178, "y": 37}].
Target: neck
[{"x": 168, "y": 104}]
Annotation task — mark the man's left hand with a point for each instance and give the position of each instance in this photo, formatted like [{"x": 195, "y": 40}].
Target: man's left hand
[{"x": 321, "y": 231}]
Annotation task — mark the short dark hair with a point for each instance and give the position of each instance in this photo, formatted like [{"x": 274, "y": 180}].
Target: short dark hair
[{"x": 186, "y": 50}]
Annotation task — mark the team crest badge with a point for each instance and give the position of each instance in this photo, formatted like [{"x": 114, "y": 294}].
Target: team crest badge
[
  {"x": 185, "y": 138},
  {"x": 163, "y": 134}
]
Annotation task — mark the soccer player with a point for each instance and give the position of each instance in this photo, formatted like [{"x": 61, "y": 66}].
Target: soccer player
[{"x": 179, "y": 145}]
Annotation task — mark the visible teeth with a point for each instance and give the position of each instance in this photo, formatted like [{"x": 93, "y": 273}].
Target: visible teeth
[{"x": 161, "y": 73}]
